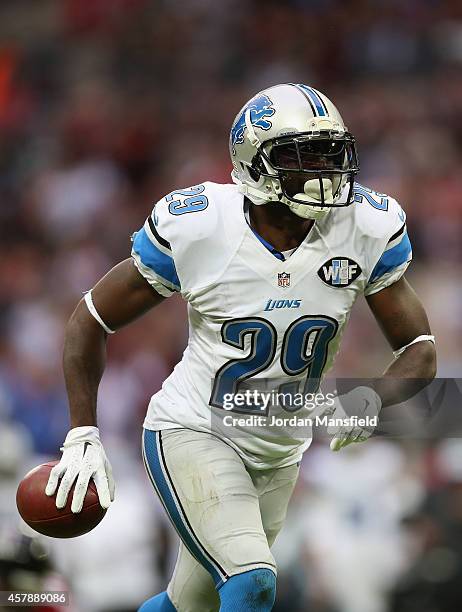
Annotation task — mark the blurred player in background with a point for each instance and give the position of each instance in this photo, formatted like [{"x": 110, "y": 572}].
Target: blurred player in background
[{"x": 270, "y": 267}]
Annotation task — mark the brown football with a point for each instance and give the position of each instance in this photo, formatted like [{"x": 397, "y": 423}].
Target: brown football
[{"x": 40, "y": 512}]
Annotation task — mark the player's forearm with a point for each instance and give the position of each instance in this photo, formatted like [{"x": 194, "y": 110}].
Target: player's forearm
[
  {"x": 84, "y": 360},
  {"x": 412, "y": 371}
]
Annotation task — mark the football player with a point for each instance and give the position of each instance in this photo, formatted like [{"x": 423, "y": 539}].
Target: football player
[{"x": 270, "y": 267}]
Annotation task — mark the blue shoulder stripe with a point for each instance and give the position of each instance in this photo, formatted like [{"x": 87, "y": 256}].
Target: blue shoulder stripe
[
  {"x": 393, "y": 258},
  {"x": 152, "y": 257}
]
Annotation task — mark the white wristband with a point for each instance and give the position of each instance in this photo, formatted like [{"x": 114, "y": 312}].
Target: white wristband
[
  {"x": 422, "y": 338},
  {"x": 94, "y": 313}
]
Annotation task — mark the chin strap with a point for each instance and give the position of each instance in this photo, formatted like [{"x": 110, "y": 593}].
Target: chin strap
[
  {"x": 254, "y": 195},
  {"x": 305, "y": 211},
  {"x": 253, "y": 138}
]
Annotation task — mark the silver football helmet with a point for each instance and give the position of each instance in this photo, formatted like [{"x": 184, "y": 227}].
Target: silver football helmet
[{"x": 290, "y": 144}]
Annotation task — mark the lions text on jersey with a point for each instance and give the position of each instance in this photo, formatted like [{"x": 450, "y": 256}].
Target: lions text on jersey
[{"x": 253, "y": 315}]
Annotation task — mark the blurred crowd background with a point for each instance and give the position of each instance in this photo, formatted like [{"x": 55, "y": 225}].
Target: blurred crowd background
[{"x": 105, "y": 106}]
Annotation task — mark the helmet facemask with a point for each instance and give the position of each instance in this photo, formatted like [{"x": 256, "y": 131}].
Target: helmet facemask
[{"x": 309, "y": 171}]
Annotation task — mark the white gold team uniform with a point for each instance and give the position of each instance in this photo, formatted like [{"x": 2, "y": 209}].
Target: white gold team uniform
[{"x": 254, "y": 316}]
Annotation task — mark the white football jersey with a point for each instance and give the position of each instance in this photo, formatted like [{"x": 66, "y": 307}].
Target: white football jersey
[{"x": 254, "y": 318}]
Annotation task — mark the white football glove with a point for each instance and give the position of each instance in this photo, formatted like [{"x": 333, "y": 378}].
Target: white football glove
[
  {"x": 361, "y": 402},
  {"x": 83, "y": 458}
]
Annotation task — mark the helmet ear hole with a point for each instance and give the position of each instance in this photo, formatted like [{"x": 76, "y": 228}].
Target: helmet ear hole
[
  {"x": 257, "y": 167},
  {"x": 254, "y": 174}
]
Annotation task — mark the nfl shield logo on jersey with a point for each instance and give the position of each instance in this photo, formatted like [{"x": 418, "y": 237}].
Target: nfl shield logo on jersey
[{"x": 283, "y": 279}]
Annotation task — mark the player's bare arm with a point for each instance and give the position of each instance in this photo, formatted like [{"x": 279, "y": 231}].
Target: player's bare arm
[
  {"x": 404, "y": 322},
  {"x": 120, "y": 297},
  {"x": 117, "y": 299},
  {"x": 403, "y": 319}
]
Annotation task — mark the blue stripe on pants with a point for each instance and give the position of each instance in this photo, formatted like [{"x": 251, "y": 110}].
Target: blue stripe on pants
[{"x": 160, "y": 478}]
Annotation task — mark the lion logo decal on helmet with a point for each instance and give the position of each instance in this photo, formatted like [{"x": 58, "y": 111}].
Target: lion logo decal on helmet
[{"x": 261, "y": 108}]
